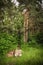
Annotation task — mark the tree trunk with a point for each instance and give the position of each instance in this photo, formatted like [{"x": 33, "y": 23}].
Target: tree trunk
[{"x": 26, "y": 22}]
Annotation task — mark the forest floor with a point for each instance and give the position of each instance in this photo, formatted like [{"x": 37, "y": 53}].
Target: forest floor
[{"x": 32, "y": 55}]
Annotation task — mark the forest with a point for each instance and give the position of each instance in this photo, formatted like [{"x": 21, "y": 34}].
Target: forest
[{"x": 21, "y": 32}]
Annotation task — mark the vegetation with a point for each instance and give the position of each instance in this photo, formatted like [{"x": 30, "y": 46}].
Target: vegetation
[
  {"x": 31, "y": 56},
  {"x": 13, "y": 32}
]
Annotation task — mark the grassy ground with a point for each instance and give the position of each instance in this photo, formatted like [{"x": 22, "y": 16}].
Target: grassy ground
[{"x": 32, "y": 55}]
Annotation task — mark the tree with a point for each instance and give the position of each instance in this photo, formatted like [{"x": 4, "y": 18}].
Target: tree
[
  {"x": 34, "y": 9},
  {"x": 10, "y": 21}
]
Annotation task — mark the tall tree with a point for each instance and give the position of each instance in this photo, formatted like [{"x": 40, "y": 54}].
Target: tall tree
[{"x": 34, "y": 9}]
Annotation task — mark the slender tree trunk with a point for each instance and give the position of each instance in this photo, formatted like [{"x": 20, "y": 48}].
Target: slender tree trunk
[{"x": 26, "y": 21}]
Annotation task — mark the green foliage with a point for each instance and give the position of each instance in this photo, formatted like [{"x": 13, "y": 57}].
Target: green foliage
[
  {"x": 11, "y": 23},
  {"x": 4, "y": 2},
  {"x": 26, "y": 2},
  {"x": 6, "y": 42},
  {"x": 39, "y": 37},
  {"x": 31, "y": 56},
  {"x": 12, "y": 18},
  {"x": 32, "y": 40}
]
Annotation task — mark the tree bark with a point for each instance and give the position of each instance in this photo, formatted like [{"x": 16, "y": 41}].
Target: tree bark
[{"x": 26, "y": 22}]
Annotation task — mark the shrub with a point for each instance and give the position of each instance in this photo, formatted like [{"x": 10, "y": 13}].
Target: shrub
[
  {"x": 39, "y": 37},
  {"x": 6, "y": 42}
]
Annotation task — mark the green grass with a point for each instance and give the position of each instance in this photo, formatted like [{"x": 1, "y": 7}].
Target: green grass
[{"x": 32, "y": 55}]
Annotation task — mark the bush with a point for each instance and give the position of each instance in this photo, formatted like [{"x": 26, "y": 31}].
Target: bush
[
  {"x": 39, "y": 38},
  {"x": 6, "y": 42},
  {"x": 32, "y": 40}
]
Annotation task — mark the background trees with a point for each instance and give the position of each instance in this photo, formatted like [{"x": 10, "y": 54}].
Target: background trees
[
  {"x": 12, "y": 21},
  {"x": 35, "y": 15}
]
